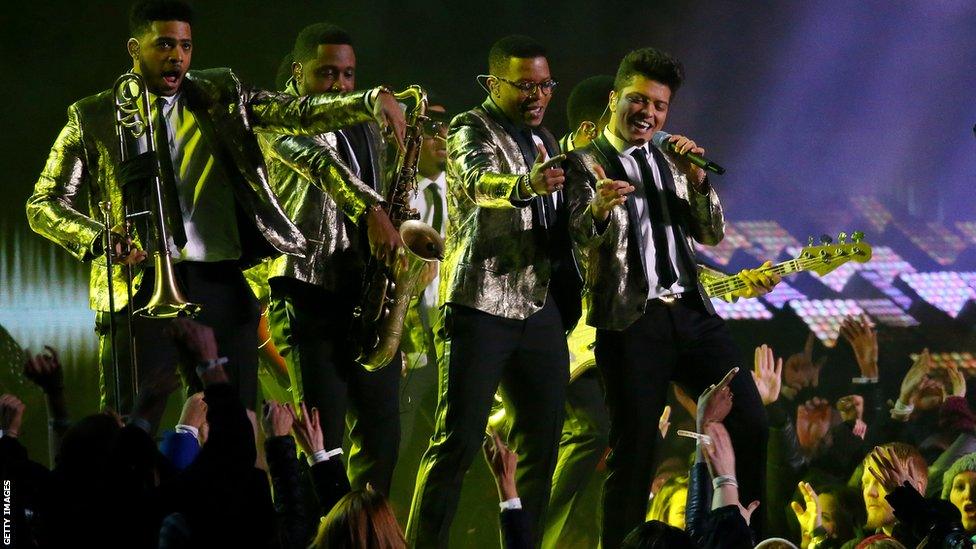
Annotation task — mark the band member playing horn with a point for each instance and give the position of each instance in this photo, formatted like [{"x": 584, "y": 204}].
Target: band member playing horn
[
  {"x": 220, "y": 210},
  {"x": 332, "y": 185},
  {"x": 504, "y": 285},
  {"x": 635, "y": 211}
]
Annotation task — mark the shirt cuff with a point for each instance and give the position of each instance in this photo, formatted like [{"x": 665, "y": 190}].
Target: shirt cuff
[
  {"x": 323, "y": 455},
  {"x": 863, "y": 380},
  {"x": 902, "y": 411},
  {"x": 188, "y": 429},
  {"x": 514, "y": 503}
]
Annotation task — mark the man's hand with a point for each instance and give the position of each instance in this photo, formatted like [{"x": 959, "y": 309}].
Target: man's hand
[
  {"x": 890, "y": 471},
  {"x": 45, "y": 371},
  {"x": 546, "y": 176},
  {"x": 800, "y": 370},
  {"x": 914, "y": 376},
  {"x": 716, "y": 402},
  {"x": 194, "y": 340},
  {"x": 11, "y": 415},
  {"x": 812, "y": 423},
  {"x": 851, "y": 407},
  {"x": 609, "y": 194},
  {"x": 859, "y": 332},
  {"x": 682, "y": 145},
  {"x": 308, "y": 430},
  {"x": 759, "y": 282},
  {"x": 767, "y": 374},
  {"x": 809, "y": 515},
  {"x": 957, "y": 381},
  {"x": 277, "y": 419},
  {"x": 503, "y": 463},
  {"x": 194, "y": 411},
  {"x": 124, "y": 250},
  {"x": 664, "y": 422},
  {"x": 384, "y": 239},
  {"x": 391, "y": 116}
]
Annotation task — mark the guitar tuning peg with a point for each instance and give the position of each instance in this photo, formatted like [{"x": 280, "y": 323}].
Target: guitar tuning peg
[
  {"x": 857, "y": 237},
  {"x": 809, "y": 241},
  {"x": 825, "y": 239},
  {"x": 842, "y": 238}
]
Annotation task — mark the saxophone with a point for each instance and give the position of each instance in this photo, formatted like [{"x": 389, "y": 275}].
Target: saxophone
[{"x": 387, "y": 291}]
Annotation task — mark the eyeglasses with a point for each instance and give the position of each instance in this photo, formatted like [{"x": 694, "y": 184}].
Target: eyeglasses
[
  {"x": 433, "y": 128},
  {"x": 529, "y": 88}
]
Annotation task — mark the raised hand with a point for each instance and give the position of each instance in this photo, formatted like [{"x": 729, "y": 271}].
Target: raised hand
[
  {"x": 767, "y": 374},
  {"x": 809, "y": 515},
  {"x": 11, "y": 415},
  {"x": 957, "y": 381},
  {"x": 720, "y": 457},
  {"x": 308, "y": 430},
  {"x": 194, "y": 411},
  {"x": 800, "y": 370},
  {"x": 859, "y": 332},
  {"x": 546, "y": 177},
  {"x": 609, "y": 194},
  {"x": 664, "y": 422},
  {"x": 277, "y": 419},
  {"x": 45, "y": 370},
  {"x": 851, "y": 407},
  {"x": 812, "y": 423},
  {"x": 716, "y": 402},
  {"x": 503, "y": 462},
  {"x": 914, "y": 377},
  {"x": 197, "y": 344},
  {"x": 890, "y": 471}
]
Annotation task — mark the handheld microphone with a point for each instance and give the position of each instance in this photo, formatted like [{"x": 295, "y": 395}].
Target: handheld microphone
[{"x": 660, "y": 140}]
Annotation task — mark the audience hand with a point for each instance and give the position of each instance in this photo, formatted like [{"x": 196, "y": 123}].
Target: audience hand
[
  {"x": 720, "y": 457},
  {"x": 800, "y": 370},
  {"x": 664, "y": 422},
  {"x": 44, "y": 369},
  {"x": 716, "y": 402},
  {"x": 957, "y": 381},
  {"x": 308, "y": 430},
  {"x": 859, "y": 332},
  {"x": 197, "y": 345},
  {"x": 809, "y": 515},
  {"x": 812, "y": 422},
  {"x": 851, "y": 407},
  {"x": 503, "y": 463},
  {"x": 277, "y": 419},
  {"x": 194, "y": 411},
  {"x": 860, "y": 429},
  {"x": 11, "y": 415},
  {"x": 767, "y": 374},
  {"x": 913, "y": 378},
  {"x": 890, "y": 471}
]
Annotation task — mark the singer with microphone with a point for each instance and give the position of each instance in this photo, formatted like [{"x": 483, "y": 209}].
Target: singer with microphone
[{"x": 636, "y": 205}]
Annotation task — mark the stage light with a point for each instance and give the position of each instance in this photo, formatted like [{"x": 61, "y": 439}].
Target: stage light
[
  {"x": 961, "y": 360},
  {"x": 874, "y": 213},
  {"x": 968, "y": 230},
  {"x": 743, "y": 309},
  {"x": 887, "y": 288},
  {"x": 936, "y": 241},
  {"x": 768, "y": 237},
  {"x": 887, "y": 312},
  {"x": 722, "y": 253},
  {"x": 888, "y": 264},
  {"x": 782, "y": 294},
  {"x": 946, "y": 291},
  {"x": 824, "y": 316}
]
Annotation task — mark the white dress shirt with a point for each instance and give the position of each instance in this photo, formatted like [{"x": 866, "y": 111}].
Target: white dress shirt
[
  {"x": 633, "y": 172},
  {"x": 420, "y": 202}
]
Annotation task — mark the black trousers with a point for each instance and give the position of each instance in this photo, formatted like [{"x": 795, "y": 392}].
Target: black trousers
[
  {"x": 227, "y": 305},
  {"x": 528, "y": 360},
  {"x": 310, "y": 328},
  {"x": 685, "y": 344}
]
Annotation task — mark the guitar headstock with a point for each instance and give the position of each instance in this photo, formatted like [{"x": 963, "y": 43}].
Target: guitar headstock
[{"x": 828, "y": 255}]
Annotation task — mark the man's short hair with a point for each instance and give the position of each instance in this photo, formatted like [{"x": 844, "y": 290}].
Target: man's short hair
[
  {"x": 518, "y": 46},
  {"x": 651, "y": 64},
  {"x": 143, "y": 13},
  {"x": 311, "y": 37},
  {"x": 588, "y": 100}
]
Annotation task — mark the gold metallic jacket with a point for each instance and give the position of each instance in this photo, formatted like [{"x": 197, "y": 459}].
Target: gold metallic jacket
[
  {"x": 616, "y": 285},
  {"x": 82, "y": 167},
  {"x": 493, "y": 261},
  {"x": 325, "y": 199}
]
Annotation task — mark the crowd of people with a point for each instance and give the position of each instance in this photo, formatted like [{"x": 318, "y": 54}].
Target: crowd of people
[{"x": 569, "y": 300}]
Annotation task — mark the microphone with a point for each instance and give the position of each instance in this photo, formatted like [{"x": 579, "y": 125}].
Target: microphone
[{"x": 660, "y": 140}]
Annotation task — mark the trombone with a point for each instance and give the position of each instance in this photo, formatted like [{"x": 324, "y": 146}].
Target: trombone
[{"x": 134, "y": 121}]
